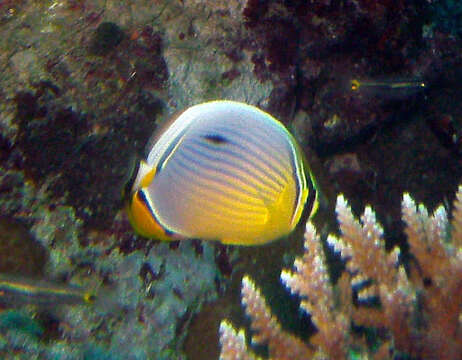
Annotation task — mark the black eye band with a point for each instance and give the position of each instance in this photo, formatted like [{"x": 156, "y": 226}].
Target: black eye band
[
  {"x": 127, "y": 189},
  {"x": 142, "y": 197}
]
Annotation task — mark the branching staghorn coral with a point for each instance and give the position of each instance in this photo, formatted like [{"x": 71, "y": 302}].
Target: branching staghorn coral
[{"x": 418, "y": 311}]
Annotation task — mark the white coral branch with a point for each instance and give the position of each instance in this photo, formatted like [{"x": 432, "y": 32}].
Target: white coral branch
[
  {"x": 426, "y": 236},
  {"x": 457, "y": 223},
  {"x": 362, "y": 245},
  {"x": 281, "y": 345},
  {"x": 310, "y": 279},
  {"x": 233, "y": 345}
]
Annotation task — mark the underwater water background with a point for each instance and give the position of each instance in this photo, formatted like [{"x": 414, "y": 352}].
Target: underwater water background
[{"x": 85, "y": 83}]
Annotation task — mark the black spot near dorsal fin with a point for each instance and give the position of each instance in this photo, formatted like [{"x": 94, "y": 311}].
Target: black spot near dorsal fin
[{"x": 216, "y": 139}]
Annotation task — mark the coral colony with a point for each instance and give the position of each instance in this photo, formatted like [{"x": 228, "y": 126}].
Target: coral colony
[{"x": 415, "y": 309}]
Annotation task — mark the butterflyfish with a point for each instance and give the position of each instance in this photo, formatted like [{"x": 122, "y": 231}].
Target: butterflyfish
[
  {"x": 18, "y": 290},
  {"x": 221, "y": 170}
]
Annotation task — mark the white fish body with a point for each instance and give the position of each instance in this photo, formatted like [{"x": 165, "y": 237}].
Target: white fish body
[{"x": 222, "y": 170}]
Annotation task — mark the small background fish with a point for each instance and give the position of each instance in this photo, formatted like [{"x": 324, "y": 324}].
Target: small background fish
[
  {"x": 17, "y": 290},
  {"x": 397, "y": 88}
]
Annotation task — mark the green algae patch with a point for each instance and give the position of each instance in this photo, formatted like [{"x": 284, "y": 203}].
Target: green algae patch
[{"x": 20, "y": 322}]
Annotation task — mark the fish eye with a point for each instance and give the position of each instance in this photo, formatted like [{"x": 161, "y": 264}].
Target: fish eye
[
  {"x": 89, "y": 298},
  {"x": 354, "y": 85}
]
